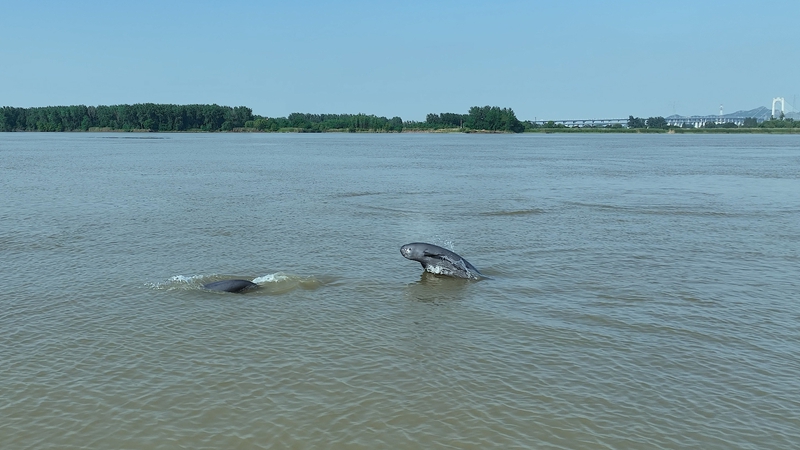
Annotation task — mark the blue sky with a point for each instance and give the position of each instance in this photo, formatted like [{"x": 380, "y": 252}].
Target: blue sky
[{"x": 545, "y": 60}]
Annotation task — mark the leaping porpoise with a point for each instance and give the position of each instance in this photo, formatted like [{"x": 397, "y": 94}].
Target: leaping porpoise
[
  {"x": 230, "y": 285},
  {"x": 440, "y": 260}
]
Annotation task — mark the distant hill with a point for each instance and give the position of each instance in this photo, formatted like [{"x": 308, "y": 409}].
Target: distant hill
[{"x": 761, "y": 113}]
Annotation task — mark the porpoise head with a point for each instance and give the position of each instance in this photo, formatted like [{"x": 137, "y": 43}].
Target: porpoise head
[{"x": 414, "y": 252}]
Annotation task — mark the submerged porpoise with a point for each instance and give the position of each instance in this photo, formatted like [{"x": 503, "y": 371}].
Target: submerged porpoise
[
  {"x": 440, "y": 260},
  {"x": 230, "y": 285}
]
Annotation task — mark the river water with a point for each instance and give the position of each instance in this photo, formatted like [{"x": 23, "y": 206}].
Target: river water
[{"x": 643, "y": 291}]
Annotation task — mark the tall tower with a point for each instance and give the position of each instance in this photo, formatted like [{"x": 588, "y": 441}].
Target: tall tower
[{"x": 783, "y": 105}]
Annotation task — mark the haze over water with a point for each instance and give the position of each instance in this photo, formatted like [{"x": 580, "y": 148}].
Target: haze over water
[{"x": 643, "y": 291}]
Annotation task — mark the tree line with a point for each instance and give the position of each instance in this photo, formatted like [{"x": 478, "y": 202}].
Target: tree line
[
  {"x": 484, "y": 118},
  {"x": 318, "y": 123},
  {"x": 167, "y": 117},
  {"x": 140, "y": 116},
  {"x": 780, "y": 123}
]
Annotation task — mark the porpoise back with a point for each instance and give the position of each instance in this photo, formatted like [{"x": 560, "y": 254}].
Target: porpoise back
[{"x": 235, "y": 286}]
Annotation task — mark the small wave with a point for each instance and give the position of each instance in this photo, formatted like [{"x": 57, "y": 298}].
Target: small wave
[
  {"x": 391, "y": 210},
  {"x": 178, "y": 282},
  {"x": 281, "y": 283},
  {"x": 665, "y": 210},
  {"x": 276, "y": 277},
  {"x": 434, "y": 289},
  {"x": 437, "y": 270},
  {"x": 356, "y": 194},
  {"x": 518, "y": 212},
  {"x": 596, "y": 205},
  {"x": 132, "y": 137},
  {"x": 183, "y": 279}
]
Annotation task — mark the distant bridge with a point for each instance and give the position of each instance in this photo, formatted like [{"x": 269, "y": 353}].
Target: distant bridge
[
  {"x": 572, "y": 123},
  {"x": 695, "y": 122},
  {"x": 700, "y": 121}
]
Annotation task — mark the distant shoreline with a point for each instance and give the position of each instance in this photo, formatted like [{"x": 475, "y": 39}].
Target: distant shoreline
[
  {"x": 197, "y": 118},
  {"x": 462, "y": 131}
]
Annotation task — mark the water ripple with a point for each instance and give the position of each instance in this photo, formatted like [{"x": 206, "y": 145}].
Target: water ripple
[{"x": 648, "y": 300}]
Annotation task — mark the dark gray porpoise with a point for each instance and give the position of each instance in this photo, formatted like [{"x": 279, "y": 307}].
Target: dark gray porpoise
[
  {"x": 440, "y": 260},
  {"x": 230, "y": 285}
]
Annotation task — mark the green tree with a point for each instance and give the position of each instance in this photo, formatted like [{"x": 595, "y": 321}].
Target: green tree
[
  {"x": 636, "y": 122},
  {"x": 492, "y": 118},
  {"x": 396, "y": 124},
  {"x": 656, "y": 122}
]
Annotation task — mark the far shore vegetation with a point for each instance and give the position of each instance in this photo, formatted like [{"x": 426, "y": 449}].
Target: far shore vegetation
[{"x": 152, "y": 117}]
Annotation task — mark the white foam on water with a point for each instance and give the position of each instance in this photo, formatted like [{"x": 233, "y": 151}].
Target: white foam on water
[
  {"x": 276, "y": 277},
  {"x": 177, "y": 282},
  {"x": 185, "y": 279},
  {"x": 438, "y": 270}
]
